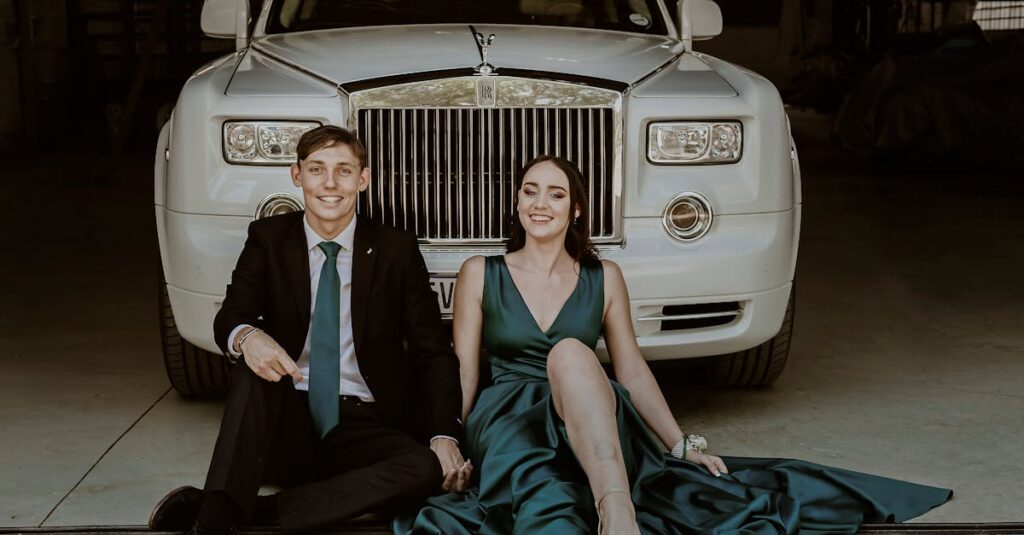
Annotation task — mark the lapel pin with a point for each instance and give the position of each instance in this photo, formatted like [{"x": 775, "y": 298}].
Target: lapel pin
[{"x": 370, "y": 250}]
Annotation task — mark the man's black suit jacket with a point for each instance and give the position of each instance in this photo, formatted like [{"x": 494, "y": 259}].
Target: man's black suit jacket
[{"x": 401, "y": 345}]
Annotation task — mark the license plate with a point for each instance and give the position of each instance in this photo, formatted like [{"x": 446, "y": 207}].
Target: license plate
[{"x": 444, "y": 285}]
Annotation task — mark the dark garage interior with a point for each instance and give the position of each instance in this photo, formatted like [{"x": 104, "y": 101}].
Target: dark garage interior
[{"x": 908, "y": 340}]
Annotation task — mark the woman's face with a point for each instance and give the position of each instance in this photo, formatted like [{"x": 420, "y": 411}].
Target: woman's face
[{"x": 544, "y": 208}]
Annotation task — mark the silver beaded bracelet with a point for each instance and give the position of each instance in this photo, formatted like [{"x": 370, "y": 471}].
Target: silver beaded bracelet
[{"x": 690, "y": 442}]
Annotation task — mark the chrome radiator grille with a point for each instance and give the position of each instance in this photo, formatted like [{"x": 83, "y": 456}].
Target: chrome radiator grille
[{"x": 449, "y": 174}]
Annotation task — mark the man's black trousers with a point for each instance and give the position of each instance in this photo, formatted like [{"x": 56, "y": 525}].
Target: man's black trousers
[{"x": 360, "y": 466}]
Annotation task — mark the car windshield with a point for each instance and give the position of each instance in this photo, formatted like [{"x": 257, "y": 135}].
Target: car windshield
[{"x": 643, "y": 16}]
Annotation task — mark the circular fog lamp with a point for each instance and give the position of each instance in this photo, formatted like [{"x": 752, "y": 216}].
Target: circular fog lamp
[
  {"x": 688, "y": 216},
  {"x": 683, "y": 216},
  {"x": 277, "y": 204}
]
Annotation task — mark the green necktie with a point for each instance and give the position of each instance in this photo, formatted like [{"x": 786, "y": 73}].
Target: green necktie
[{"x": 325, "y": 346}]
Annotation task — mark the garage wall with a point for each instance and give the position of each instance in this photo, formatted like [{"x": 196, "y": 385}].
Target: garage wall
[{"x": 10, "y": 116}]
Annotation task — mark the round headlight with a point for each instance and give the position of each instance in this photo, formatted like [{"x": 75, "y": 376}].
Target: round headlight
[
  {"x": 241, "y": 140},
  {"x": 277, "y": 204},
  {"x": 688, "y": 216}
]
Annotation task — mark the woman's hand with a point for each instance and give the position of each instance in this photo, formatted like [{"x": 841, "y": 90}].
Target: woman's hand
[
  {"x": 456, "y": 470},
  {"x": 713, "y": 463}
]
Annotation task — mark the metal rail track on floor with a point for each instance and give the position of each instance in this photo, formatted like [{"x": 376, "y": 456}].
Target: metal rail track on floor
[{"x": 866, "y": 529}]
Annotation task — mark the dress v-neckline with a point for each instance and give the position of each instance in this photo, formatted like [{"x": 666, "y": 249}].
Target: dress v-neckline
[{"x": 522, "y": 300}]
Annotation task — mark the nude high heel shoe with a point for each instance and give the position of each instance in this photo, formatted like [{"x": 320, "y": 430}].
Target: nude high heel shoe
[{"x": 597, "y": 505}]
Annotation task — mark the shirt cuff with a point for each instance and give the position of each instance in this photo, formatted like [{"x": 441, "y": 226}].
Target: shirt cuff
[
  {"x": 435, "y": 437},
  {"x": 231, "y": 340}
]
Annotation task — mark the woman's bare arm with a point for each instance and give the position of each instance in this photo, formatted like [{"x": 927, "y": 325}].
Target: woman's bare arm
[
  {"x": 631, "y": 369},
  {"x": 466, "y": 327},
  {"x": 633, "y": 373}
]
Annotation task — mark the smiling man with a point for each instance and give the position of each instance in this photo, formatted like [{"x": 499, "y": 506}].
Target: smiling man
[{"x": 342, "y": 361}]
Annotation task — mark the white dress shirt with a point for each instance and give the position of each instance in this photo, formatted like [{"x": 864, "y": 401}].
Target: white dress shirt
[{"x": 351, "y": 383}]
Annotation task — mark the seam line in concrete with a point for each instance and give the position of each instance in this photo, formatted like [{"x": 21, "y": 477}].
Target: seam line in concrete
[{"x": 104, "y": 454}]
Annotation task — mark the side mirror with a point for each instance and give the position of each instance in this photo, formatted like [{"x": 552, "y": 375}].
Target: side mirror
[
  {"x": 227, "y": 19},
  {"x": 698, "y": 20}
]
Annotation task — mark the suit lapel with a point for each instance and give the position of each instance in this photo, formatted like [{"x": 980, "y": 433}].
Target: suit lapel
[
  {"x": 297, "y": 262},
  {"x": 364, "y": 254}
]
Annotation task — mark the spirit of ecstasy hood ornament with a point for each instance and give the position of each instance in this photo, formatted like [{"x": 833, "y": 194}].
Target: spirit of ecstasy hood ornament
[{"x": 483, "y": 44}]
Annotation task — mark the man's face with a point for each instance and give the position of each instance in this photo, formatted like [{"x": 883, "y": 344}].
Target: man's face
[{"x": 331, "y": 179}]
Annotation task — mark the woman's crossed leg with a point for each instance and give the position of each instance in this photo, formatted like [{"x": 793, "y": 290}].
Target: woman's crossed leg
[{"x": 585, "y": 401}]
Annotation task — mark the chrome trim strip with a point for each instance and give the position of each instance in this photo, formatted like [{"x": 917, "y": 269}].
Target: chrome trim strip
[
  {"x": 402, "y": 173},
  {"x": 501, "y": 171},
  {"x": 470, "y": 199},
  {"x": 604, "y": 182},
  {"x": 390, "y": 146},
  {"x": 461, "y": 92},
  {"x": 590, "y": 162},
  {"x": 458, "y": 174},
  {"x": 659, "y": 69},
  {"x": 437, "y": 171},
  {"x": 704, "y": 315},
  {"x": 448, "y": 164},
  {"x": 488, "y": 207},
  {"x": 369, "y": 163},
  {"x": 256, "y": 46},
  {"x": 380, "y": 156}
]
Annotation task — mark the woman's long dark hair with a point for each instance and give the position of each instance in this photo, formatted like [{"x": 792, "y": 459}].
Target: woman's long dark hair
[{"x": 577, "y": 238}]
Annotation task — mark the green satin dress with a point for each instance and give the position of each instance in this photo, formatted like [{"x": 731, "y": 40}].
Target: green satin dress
[{"x": 527, "y": 480}]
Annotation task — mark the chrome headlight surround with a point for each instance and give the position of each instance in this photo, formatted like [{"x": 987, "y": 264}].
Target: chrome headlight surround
[
  {"x": 687, "y": 216},
  {"x": 263, "y": 142},
  {"x": 277, "y": 204},
  {"x": 694, "y": 142}
]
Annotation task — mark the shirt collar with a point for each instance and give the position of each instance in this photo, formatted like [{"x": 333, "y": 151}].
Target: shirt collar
[{"x": 346, "y": 239}]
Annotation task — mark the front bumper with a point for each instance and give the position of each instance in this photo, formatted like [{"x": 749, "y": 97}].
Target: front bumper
[{"x": 746, "y": 261}]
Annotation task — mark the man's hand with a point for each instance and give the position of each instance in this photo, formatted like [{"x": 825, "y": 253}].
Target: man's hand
[
  {"x": 268, "y": 360},
  {"x": 456, "y": 470}
]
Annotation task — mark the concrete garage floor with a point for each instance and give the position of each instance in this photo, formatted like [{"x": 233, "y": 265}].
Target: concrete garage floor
[{"x": 907, "y": 357}]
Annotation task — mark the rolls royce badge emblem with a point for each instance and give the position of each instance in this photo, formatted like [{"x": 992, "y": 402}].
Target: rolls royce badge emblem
[{"x": 483, "y": 44}]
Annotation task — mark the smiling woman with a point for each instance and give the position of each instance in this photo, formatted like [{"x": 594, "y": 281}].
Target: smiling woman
[
  {"x": 577, "y": 236},
  {"x": 560, "y": 447},
  {"x": 643, "y": 16}
]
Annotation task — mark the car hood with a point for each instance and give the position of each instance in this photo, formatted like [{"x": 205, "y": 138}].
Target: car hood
[{"x": 354, "y": 54}]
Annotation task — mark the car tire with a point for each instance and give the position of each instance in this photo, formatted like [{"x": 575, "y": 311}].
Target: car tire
[
  {"x": 193, "y": 372},
  {"x": 760, "y": 365}
]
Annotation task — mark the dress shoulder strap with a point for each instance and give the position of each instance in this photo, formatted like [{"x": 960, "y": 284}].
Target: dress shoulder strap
[
  {"x": 490, "y": 301},
  {"x": 593, "y": 278}
]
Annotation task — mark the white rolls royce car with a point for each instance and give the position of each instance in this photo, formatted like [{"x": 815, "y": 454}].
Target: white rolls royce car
[{"x": 691, "y": 170}]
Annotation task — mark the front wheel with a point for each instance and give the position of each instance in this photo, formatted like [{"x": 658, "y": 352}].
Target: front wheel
[
  {"x": 193, "y": 372},
  {"x": 761, "y": 365}
]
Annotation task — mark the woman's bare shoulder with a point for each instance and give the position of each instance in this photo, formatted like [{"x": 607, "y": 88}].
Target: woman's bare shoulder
[
  {"x": 473, "y": 266},
  {"x": 612, "y": 271},
  {"x": 614, "y": 283},
  {"x": 471, "y": 274}
]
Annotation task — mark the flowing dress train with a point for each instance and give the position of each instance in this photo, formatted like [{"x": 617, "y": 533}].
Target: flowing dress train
[{"x": 527, "y": 480}]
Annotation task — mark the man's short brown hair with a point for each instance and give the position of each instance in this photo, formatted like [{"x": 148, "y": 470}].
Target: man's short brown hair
[{"x": 329, "y": 135}]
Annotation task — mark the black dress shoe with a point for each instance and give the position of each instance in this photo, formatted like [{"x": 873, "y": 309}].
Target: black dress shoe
[{"x": 177, "y": 511}]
